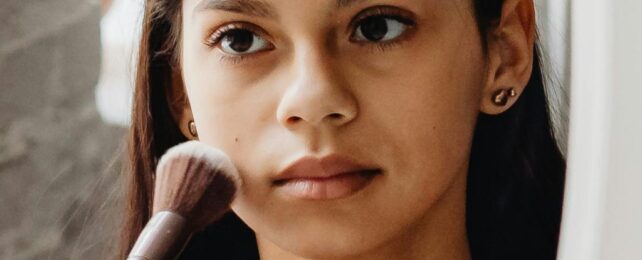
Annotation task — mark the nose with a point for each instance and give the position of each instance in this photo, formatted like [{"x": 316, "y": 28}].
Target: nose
[{"x": 317, "y": 95}]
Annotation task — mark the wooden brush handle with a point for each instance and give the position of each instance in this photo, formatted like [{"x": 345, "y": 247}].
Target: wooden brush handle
[{"x": 163, "y": 238}]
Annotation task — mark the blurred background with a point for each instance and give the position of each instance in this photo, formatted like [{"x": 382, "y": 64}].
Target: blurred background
[
  {"x": 58, "y": 160},
  {"x": 66, "y": 77}
]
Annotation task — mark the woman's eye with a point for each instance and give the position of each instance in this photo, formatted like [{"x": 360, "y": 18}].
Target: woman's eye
[
  {"x": 379, "y": 29},
  {"x": 241, "y": 41}
]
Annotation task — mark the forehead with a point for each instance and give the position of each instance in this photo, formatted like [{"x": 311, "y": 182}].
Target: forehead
[
  {"x": 270, "y": 8},
  {"x": 259, "y": 7}
]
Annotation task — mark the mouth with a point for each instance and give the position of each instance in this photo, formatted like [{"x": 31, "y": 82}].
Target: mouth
[
  {"x": 329, "y": 177},
  {"x": 331, "y": 187}
]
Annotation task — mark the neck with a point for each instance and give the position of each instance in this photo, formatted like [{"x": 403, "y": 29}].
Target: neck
[{"x": 440, "y": 234}]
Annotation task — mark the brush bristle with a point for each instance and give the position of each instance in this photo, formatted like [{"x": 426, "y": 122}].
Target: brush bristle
[{"x": 196, "y": 181}]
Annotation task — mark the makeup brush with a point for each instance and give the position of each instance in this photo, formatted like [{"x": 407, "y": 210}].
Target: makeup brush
[{"x": 194, "y": 187}]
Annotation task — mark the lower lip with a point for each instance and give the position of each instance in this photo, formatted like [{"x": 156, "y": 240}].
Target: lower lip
[{"x": 335, "y": 187}]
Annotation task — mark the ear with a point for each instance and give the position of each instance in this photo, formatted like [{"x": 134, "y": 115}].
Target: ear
[
  {"x": 510, "y": 55},
  {"x": 179, "y": 104}
]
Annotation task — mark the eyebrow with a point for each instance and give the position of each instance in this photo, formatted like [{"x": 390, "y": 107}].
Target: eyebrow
[
  {"x": 348, "y": 3},
  {"x": 250, "y": 7},
  {"x": 254, "y": 7}
]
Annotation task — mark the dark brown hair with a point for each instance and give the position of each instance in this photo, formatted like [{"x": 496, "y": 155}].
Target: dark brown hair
[{"x": 515, "y": 180}]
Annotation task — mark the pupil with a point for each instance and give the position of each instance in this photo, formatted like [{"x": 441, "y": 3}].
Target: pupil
[
  {"x": 240, "y": 40},
  {"x": 374, "y": 28}
]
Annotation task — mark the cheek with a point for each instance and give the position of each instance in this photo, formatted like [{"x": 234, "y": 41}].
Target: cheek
[
  {"x": 427, "y": 101},
  {"x": 424, "y": 109},
  {"x": 237, "y": 114}
]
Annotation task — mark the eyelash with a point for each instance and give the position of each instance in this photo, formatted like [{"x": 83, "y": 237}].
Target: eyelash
[
  {"x": 383, "y": 12},
  {"x": 215, "y": 36},
  {"x": 233, "y": 59}
]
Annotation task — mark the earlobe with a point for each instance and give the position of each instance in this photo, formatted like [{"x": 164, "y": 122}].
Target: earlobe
[
  {"x": 192, "y": 129},
  {"x": 179, "y": 106},
  {"x": 510, "y": 56},
  {"x": 501, "y": 97}
]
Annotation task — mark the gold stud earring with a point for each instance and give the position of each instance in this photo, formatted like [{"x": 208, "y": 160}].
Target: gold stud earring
[
  {"x": 500, "y": 97},
  {"x": 192, "y": 128}
]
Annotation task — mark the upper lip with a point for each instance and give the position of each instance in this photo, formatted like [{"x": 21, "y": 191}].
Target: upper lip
[{"x": 324, "y": 167}]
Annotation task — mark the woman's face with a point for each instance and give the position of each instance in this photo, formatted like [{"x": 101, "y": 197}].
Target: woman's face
[{"x": 392, "y": 85}]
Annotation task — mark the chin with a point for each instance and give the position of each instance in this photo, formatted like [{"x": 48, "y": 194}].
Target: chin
[
  {"x": 327, "y": 242},
  {"x": 325, "y": 248}
]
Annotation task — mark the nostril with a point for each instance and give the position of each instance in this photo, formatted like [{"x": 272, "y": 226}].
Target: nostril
[
  {"x": 294, "y": 119},
  {"x": 336, "y": 116}
]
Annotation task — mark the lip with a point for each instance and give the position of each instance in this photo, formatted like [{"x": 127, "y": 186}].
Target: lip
[{"x": 329, "y": 177}]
